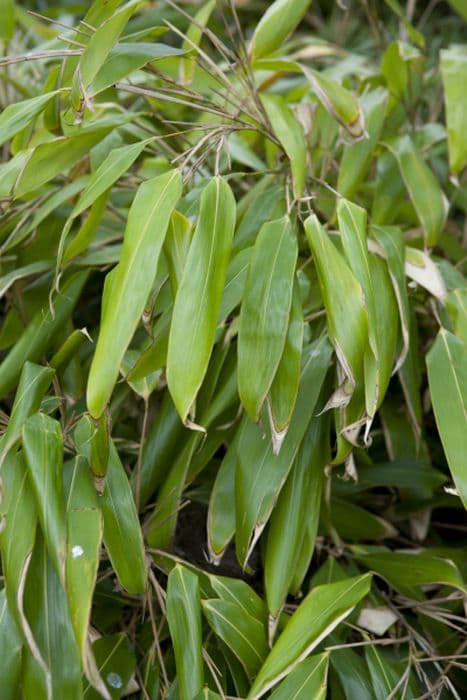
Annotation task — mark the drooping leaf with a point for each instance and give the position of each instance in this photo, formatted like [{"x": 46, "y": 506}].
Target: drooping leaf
[
  {"x": 289, "y": 132},
  {"x": 50, "y": 159},
  {"x": 43, "y": 451},
  {"x": 256, "y": 490},
  {"x": 296, "y": 515},
  {"x": 122, "y": 532},
  {"x": 243, "y": 634},
  {"x": 33, "y": 383},
  {"x": 128, "y": 285},
  {"x": 447, "y": 376},
  {"x": 279, "y": 20},
  {"x": 19, "y": 114},
  {"x": 314, "y": 619},
  {"x": 343, "y": 300},
  {"x": 284, "y": 388},
  {"x": 10, "y": 651},
  {"x": 265, "y": 310},
  {"x": 422, "y": 186},
  {"x": 184, "y": 618},
  {"x": 306, "y": 682},
  {"x": 198, "y": 299}
]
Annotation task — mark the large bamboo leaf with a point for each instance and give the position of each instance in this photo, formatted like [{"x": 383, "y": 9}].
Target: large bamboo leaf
[
  {"x": 43, "y": 451},
  {"x": 10, "y": 651},
  {"x": 295, "y": 513},
  {"x": 279, "y": 20},
  {"x": 308, "y": 680},
  {"x": 447, "y": 376},
  {"x": 265, "y": 310},
  {"x": 424, "y": 190},
  {"x": 290, "y": 133},
  {"x": 122, "y": 532},
  {"x": 33, "y": 383},
  {"x": 343, "y": 299},
  {"x": 128, "y": 286},
  {"x": 198, "y": 299},
  {"x": 352, "y": 226},
  {"x": 257, "y": 489},
  {"x": 82, "y": 561},
  {"x": 357, "y": 156},
  {"x": 47, "y": 613},
  {"x": 454, "y": 73},
  {"x": 338, "y": 101},
  {"x": 18, "y": 115},
  {"x": 409, "y": 569},
  {"x": 284, "y": 388},
  {"x": 184, "y": 618},
  {"x": 18, "y": 531},
  {"x": 50, "y": 159},
  {"x": 97, "y": 50},
  {"x": 243, "y": 634},
  {"x": 321, "y": 611},
  {"x": 221, "y": 514}
]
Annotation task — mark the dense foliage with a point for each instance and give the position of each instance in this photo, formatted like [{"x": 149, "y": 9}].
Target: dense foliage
[{"x": 233, "y": 349}]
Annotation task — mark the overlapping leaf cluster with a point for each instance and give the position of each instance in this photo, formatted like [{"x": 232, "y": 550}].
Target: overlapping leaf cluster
[{"x": 233, "y": 350}]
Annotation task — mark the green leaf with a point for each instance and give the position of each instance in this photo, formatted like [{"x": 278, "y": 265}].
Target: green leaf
[
  {"x": 40, "y": 332},
  {"x": 184, "y": 618},
  {"x": 109, "y": 171},
  {"x": 97, "y": 50},
  {"x": 337, "y": 101},
  {"x": 18, "y": 115},
  {"x": 357, "y": 156},
  {"x": 198, "y": 299},
  {"x": 454, "y": 74},
  {"x": 18, "y": 529},
  {"x": 55, "y": 157},
  {"x": 343, "y": 300},
  {"x": 243, "y": 634},
  {"x": 129, "y": 284},
  {"x": 392, "y": 244},
  {"x": 424, "y": 190},
  {"x": 33, "y": 383},
  {"x": 320, "y": 612},
  {"x": 122, "y": 532},
  {"x": 160, "y": 448},
  {"x": 221, "y": 513},
  {"x": 308, "y": 680},
  {"x": 236, "y": 591},
  {"x": 193, "y": 38},
  {"x": 352, "y": 227},
  {"x": 384, "y": 676},
  {"x": 46, "y": 610},
  {"x": 290, "y": 134},
  {"x": 256, "y": 490},
  {"x": 43, "y": 451},
  {"x": 126, "y": 58},
  {"x": 403, "y": 569},
  {"x": 284, "y": 388},
  {"x": 264, "y": 315},
  {"x": 82, "y": 562},
  {"x": 456, "y": 304},
  {"x": 447, "y": 377},
  {"x": 7, "y": 29},
  {"x": 10, "y": 651},
  {"x": 116, "y": 662},
  {"x": 279, "y": 20},
  {"x": 460, "y": 6},
  {"x": 296, "y": 511}
]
